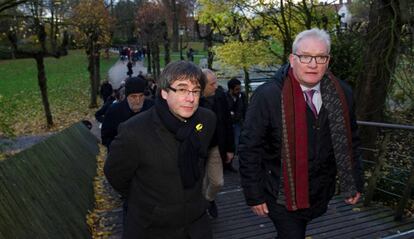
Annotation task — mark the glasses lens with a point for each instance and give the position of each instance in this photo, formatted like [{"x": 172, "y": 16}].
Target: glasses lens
[
  {"x": 305, "y": 59},
  {"x": 321, "y": 59}
]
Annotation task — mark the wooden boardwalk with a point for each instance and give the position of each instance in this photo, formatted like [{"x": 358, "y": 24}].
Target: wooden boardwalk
[{"x": 236, "y": 221}]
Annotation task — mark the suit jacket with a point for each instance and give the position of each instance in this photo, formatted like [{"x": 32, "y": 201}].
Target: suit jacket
[
  {"x": 142, "y": 166},
  {"x": 261, "y": 143}
]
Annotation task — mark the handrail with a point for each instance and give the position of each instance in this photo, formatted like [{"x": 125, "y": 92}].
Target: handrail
[
  {"x": 385, "y": 125},
  {"x": 373, "y": 180}
]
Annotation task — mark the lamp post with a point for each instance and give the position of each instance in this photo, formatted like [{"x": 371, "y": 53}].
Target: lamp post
[{"x": 181, "y": 33}]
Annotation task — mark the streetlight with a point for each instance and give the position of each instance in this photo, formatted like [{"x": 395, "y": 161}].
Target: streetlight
[{"x": 181, "y": 33}]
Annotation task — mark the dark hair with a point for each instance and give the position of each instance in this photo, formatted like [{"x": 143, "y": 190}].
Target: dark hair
[
  {"x": 181, "y": 70},
  {"x": 233, "y": 82}
]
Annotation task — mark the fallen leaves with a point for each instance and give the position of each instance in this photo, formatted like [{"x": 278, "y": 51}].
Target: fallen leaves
[{"x": 101, "y": 220}]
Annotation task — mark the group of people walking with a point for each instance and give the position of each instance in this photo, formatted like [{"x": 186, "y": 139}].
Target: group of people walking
[{"x": 166, "y": 156}]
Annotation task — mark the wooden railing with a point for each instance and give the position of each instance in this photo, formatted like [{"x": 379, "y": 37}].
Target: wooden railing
[{"x": 382, "y": 164}]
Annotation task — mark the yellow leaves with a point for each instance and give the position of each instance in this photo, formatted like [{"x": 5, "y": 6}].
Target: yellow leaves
[
  {"x": 93, "y": 20},
  {"x": 356, "y": 209},
  {"x": 244, "y": 54},
  {"x": 105, "y": 200}
]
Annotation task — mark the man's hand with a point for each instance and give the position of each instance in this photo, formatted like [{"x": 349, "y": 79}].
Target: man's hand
[
  {"x": 353, "y": 200},
  {"x": 260, "y": 210},
  {"x": 230, "y": 156}
]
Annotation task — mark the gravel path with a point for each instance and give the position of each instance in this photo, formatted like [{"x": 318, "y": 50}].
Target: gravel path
[{"x": 117, "y": 73}]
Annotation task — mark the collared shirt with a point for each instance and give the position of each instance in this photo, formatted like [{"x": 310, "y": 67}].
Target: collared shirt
[{"x": 317, "y": 97}]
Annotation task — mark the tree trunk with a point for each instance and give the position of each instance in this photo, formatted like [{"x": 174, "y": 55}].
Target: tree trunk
[
  {"x": 167, "y": 57},
  {"x": 157, "y": 60},
  {"x": 96, "y": 79},
  {"x": 42, "y": 81},
  {"x": 247, "y": 88},
  {"x": 210, "y": 53},
  {"x": 382, "y": 45},
  {"x": 380, "y": 57},
  {"x": 149, "y": 59},
  {"x": 175, "y": 26},
  {"x": 93, "y": 75}
]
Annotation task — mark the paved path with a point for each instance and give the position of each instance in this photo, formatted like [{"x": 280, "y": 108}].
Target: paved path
[{"x": 117, "y": 73}]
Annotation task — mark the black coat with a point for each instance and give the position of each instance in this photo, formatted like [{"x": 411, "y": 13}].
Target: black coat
[
  {"x": 115, "y": 115},
  {"x": 261, "y": 141},
  {"x": 223, "y": 136},
  {"x": 237, "y": 107},
  {"x": 142, "y": 166},
  {"x": 100, "y": 114}
]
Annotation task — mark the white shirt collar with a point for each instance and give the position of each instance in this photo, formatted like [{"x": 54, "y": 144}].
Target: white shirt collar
[{"x": 317, "y": 87}]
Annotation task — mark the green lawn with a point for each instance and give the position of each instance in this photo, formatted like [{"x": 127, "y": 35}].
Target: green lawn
[
  {"x": 21, "y": 110},
  {"x": 175, "y": 56}
]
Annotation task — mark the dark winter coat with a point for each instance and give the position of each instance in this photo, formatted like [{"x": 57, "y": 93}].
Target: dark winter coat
[
  {"x": 142, "y": 166},
  {"x": 260, "y": 149},
  {"x": 116, "y": 114},
  {"x": 223, "y": 136}
]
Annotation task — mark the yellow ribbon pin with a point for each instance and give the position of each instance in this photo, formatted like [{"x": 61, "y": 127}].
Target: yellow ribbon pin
[{"x": 199, "y": 127}]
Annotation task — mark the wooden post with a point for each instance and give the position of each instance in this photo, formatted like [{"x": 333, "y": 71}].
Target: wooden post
[{"x": 372, "y": 184}]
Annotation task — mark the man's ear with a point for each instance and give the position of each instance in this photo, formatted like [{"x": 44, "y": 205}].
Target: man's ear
[
  {"x": 164, "y": 94},
  {"x": 291, "y": 60}
]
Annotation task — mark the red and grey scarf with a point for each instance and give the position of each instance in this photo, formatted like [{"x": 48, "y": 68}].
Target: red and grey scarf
[{"x": 295, "y": 139}]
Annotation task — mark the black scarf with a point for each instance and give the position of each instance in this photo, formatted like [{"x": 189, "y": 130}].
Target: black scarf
[{"x": 190, "y": 146}]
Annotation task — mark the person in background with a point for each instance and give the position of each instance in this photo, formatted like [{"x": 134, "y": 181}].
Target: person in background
[
  {"x": 105, "y": 91},
  {"x": 157, "y": 161},
  {"x": 237, "y": 102},
  {"x": 117, "y": 96},
  {"x": 221, "y": 148},
  {"x": 133, "y": 104},
  {"x": 299, "y": 135},
  {"x": 129, "y": 67}
]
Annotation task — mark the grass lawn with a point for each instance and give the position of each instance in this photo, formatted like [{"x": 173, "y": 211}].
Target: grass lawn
[
  {"x": 21, "y": 109},
  {"x": 175, "y": 56}
]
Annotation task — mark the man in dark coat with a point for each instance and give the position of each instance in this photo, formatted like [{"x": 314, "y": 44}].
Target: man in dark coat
[
  {"x": 299, "y": 134},
  {"x": 221, "y": 149},
  {"x": 117, "y": 113},
  {"x": 237, "y": 102},
  {"x": 157, "y": 161}
]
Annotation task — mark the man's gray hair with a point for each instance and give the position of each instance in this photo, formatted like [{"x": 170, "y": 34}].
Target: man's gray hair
[
  {"x": 312, "y": 33},
  {"x": 208, "y": 72}
]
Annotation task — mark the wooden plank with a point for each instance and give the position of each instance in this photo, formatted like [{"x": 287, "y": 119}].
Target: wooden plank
[{"x": 236, "y": 221}]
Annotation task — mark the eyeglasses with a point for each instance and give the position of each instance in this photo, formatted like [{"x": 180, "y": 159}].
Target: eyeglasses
[
  {"x": 305, "y": 59},
  {"x": 185, "y": 92}
]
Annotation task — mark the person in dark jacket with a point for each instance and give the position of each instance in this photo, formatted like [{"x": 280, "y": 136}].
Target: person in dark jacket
[
  {"x": 237, "y": 102},
  {"x": 157, "y": 160},
  {"x": 129, "y": 67},
  {"x": 105, "y": 91},
  {"x": 299, "y": 134},
  {"x": 117, "y": 113},
  {"x": 221, "y": 149}
]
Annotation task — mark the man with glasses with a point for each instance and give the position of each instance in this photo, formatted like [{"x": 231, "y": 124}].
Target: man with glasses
[
  {"x": 299, "y": 135},
  {"x": 157, "y": 161}
]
